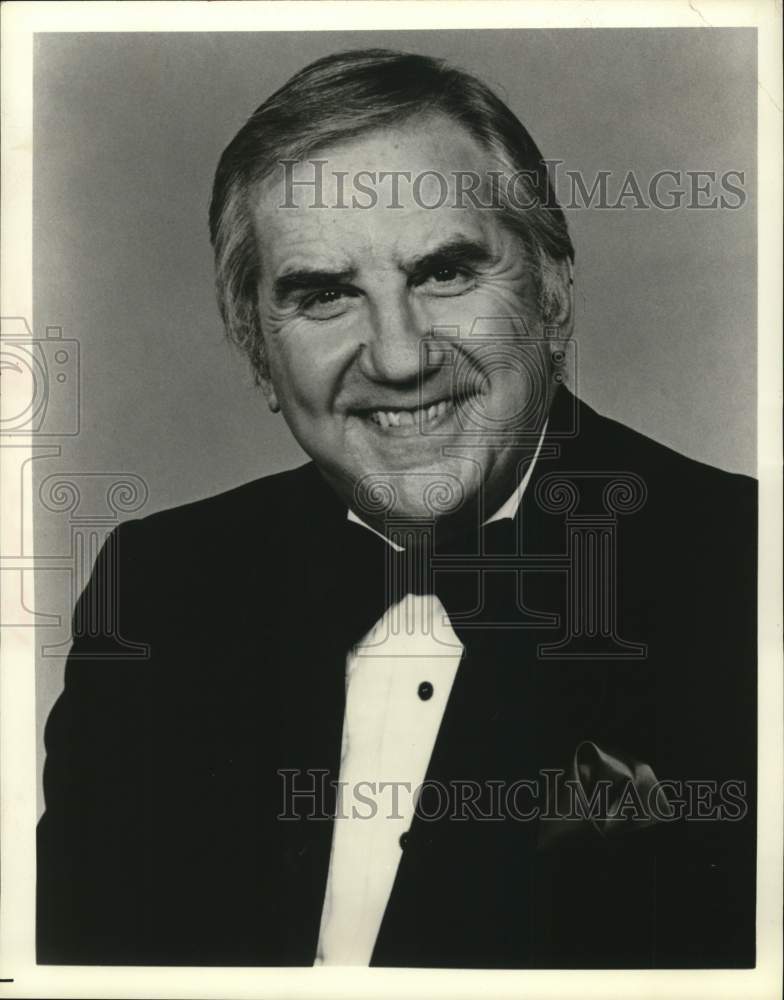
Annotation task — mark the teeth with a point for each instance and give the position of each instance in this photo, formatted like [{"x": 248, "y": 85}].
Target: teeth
[{"x": 408, "y": 418}]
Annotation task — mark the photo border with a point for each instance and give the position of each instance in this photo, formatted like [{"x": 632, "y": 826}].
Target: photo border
[{"x": 19, "y": 975}]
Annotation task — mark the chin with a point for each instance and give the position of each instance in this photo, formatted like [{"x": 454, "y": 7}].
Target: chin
[{"x": 419, "y": 494}]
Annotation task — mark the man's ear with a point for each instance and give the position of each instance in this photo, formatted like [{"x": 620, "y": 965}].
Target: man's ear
[
  {"x": 269, "y": 391},
  {"x": 558, "y": 300}
]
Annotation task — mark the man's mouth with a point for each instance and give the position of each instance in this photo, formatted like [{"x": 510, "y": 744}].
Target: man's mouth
[
  {"x": 405, "y": 421},
  {"x": 416, "y": 417}
]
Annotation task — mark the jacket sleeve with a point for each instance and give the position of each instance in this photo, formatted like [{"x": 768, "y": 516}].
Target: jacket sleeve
[{"x": 90, "y": 872}]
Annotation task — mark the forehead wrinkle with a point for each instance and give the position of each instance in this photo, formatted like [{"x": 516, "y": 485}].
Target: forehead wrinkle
[
  {"x": 403, "y": 246},
  {"x": 293, "y": 250},
  {"x": 365, "y": 241},
  {"x": 316, "y": 260}
]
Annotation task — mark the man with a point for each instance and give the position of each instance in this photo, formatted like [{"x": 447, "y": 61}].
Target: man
[{"x": 534, "y": 626}]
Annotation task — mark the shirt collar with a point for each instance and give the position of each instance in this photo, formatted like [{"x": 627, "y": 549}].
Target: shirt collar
[{"x": 509, "y": 509}]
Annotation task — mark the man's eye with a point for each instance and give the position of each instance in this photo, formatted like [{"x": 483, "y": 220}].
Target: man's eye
[
  {"x": 326, "y": 303},
  {"x": 328, "y": 296},
  {"x": 447, "y": 279}
]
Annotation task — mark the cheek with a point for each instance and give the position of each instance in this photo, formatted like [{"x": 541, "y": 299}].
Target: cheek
[
  {"x": 295, "y": 380},
  {"x": 508, "y": 299},
  {"x": 306, "y": 366},
  {"x": 490, "y": 302},
  {"x": 518, "y": 396}
]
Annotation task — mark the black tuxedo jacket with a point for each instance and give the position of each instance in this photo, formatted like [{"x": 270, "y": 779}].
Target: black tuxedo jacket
[{"x": 209, "y": 654}]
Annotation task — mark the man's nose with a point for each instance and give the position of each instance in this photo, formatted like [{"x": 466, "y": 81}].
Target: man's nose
[{"x": 392, "y": 348}]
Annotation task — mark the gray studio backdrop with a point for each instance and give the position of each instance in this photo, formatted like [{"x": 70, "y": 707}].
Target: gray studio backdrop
[{"x": 128, "y": 131}]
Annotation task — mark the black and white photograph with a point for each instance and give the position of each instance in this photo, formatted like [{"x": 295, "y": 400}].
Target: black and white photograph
[{"x": 389, "y": 461}]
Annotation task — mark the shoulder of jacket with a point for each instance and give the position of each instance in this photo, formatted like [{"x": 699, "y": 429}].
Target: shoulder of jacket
[
  {"x": 258, "y": 513},
  {"x": 622, "y": 446}
]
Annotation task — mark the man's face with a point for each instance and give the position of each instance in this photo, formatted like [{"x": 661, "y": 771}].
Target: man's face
[{"x": 367, "y": 316}]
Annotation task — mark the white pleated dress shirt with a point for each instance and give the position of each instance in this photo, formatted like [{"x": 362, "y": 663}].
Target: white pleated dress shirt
[{"x": 398, "y": 681}]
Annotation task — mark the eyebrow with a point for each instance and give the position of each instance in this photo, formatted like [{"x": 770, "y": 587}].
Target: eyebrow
[
  {"x": 454, "y": 251},
  {"x": 306, "y": 279}
]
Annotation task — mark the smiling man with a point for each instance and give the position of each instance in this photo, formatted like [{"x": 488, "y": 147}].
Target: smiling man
[
  {"x": 452, "y": 693},
  {"x": 346, "y": 299}
]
